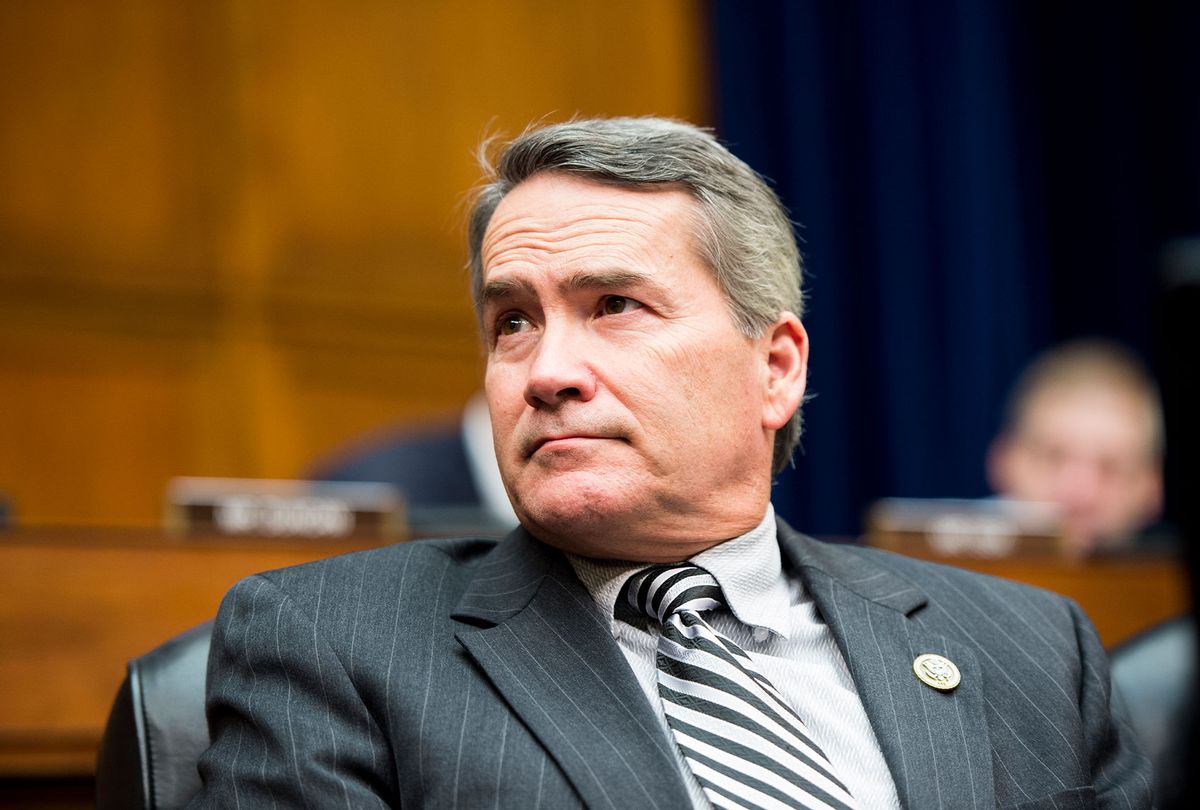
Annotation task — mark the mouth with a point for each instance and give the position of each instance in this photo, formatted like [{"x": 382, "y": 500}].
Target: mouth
[{"x": 562, "y": 440}]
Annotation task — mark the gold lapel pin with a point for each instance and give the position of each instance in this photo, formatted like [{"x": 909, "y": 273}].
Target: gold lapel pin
[{"x": 937, "y": 671}]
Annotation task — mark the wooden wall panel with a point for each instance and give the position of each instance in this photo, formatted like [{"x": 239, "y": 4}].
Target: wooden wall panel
[
  {"x": 99, "y": 163},
  {"x": 231, "y": 232}
]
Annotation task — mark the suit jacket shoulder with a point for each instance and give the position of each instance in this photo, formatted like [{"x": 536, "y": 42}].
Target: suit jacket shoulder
[{"x": 437, "y": 570}]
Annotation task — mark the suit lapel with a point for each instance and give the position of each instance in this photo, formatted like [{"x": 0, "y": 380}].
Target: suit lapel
[
  {"x": 935, "y": 743},
  {"x": 534, "y": 630}
]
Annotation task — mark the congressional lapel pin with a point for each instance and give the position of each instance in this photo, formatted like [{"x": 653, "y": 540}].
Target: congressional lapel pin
[{"x": 936, "y": 671}]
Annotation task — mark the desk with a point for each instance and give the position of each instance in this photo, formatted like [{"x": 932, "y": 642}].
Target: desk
[
  {"x": 1122, "y": 595},
  {"x": 76, "y": 604}
]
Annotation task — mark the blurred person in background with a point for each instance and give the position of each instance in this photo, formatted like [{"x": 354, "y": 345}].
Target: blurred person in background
[{"x": 1084, "y": 430}]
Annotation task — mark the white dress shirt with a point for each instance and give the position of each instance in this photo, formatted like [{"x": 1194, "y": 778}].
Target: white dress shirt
[{"x": 772, "y": 618}]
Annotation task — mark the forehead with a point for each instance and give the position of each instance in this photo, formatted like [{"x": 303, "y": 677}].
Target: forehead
[
  {"x": 554, "y": 213},
  {"x": 1097, "y": 417}
]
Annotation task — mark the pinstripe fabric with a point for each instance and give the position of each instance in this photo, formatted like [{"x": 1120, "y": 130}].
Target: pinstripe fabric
[
  {"x": 468, "y": 674},
  {"x": 1032, "y": 723},
  {"x": 739, "y": 736}
]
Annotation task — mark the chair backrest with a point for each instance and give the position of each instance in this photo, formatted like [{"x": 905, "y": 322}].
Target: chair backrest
[
  {"x": 157, "y": 730},
  {"x": 1155, "y": 674}
]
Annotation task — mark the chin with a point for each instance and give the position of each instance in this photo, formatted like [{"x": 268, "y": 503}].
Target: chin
[
  {"x": 616, "y": 527},
  {"x": 580, "y": 517},
  {"x": 571, "y": 508},
  {"x": 582, "y": 494}
]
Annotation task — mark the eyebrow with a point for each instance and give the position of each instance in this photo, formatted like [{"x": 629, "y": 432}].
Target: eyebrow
[
  {"x": 575, "y": 282},
  {"x": 501, "y": 289}
]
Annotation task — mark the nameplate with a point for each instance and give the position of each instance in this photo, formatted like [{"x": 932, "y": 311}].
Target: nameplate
[
  {"x": 254, "y": 507},
  {"x": 989, "y": 528}
]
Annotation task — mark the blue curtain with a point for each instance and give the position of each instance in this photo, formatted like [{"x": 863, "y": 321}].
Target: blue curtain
[
  {"x": 967, "y": 194},
  {"x": 890, "y": 136}
]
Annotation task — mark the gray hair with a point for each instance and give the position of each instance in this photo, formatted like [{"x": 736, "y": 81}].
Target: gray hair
[{"x": 742, "y": 232}]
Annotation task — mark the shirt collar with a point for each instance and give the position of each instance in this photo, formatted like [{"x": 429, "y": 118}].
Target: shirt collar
[{"x": 747, "y": 568}]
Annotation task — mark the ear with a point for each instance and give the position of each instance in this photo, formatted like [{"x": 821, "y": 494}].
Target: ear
[
  {"x": 999, "y": 461},
  {"x": 1152, "y": 494},
  {"x": 786, "y": 370}
]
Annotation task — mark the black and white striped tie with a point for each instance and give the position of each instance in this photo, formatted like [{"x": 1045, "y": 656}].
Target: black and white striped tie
[{"x": 745, "y": 745}]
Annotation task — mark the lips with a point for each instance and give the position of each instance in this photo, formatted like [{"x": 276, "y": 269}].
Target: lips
[
  {"x": 538, "y": 444},
  {"x": 531, "y": 446}
]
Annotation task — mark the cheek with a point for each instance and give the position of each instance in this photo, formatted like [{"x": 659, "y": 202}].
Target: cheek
[
  {"x": 504, "y": 397},
  {"x": 711, "y": 389}
]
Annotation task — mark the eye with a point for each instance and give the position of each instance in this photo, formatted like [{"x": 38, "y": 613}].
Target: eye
[
  {"x": 618, "y": 305},
  {"x": 511, "y": 324}
]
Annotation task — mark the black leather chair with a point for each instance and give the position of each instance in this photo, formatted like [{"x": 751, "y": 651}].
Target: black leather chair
[
  {"x": 1155, "y": 673},
  {"x": 156, "y": 730}
]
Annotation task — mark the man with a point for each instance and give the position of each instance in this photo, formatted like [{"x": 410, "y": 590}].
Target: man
[
  {"x": 638, "y": 290},
  {"x": 1084, "y": 430}
]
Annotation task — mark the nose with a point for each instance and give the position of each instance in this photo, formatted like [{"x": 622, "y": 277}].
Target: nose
[
  {"x": 1079, "y": 481},
  {"x": 558, "y": 371}
]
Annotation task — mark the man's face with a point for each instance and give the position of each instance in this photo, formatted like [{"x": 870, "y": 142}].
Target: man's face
[
  {"x": 631, "y": 419},
  {"x": 1087, "y": 449}
]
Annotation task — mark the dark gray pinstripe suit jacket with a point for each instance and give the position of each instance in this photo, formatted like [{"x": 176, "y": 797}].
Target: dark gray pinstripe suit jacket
[{"x": 467, "y": 674}]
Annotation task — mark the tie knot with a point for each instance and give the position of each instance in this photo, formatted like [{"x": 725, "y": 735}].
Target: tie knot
[{"x": 660, "y": 591}]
